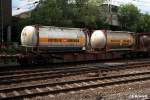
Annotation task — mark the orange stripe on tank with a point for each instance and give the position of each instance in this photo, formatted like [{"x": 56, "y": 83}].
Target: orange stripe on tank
[
  {"x": 82, "y": 40},
  {"x": 64, "y": 40},
  {"x": 43, "y": 39}
]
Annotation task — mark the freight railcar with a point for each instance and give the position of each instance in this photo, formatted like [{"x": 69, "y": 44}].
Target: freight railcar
[{"x": 58, "y": 44}]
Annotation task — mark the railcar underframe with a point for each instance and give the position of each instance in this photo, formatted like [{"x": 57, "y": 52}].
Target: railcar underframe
[{"x": 39, "y": 58}]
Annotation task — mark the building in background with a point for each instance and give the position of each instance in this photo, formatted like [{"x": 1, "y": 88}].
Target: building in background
[
  {"x": 5, "y": 20},
  {"x": 23, "y": 15},
  {"x": 111, "y": 13}
]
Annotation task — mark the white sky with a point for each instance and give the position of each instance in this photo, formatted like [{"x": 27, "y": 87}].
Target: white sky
[
  {"x": 20, "y": 6},
  {"x": 143, "y": 5}
]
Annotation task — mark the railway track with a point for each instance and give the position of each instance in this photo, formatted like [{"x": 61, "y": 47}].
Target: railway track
[
  {"x": 70, "y": 86},
  {"x": 21, "y": 70},
  {"x": 43, "y": 74}
]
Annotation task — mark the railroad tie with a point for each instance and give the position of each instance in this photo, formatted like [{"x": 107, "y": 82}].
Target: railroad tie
[
  {"x": 99, "y": 81},
  {"x": 107, "y": 81},
  {"x": 51, "y": 96},
  {"x": 72, "y": 92},
  {"x": 3, "y": 95},
  {"x": 92, "y": 82},
  {"x": 49, "y": 88},
  {"x": 39, "y": 90},
  {"x": 85, "y": 83},
  {"x": 69, "y": 86},
  {"x": 59, "y": 87},
  {"x": 61, "y": 93},
  {"x": 28, "y": 91},
  {"x": 100, "y": 87},
  {"x": 82, "y": 90},
  {"x": 114, "y": 79},
  {"x": 16, "y": 93},
  {"x": 77, "y": 84},
  {"x": 91, "y": 89}
]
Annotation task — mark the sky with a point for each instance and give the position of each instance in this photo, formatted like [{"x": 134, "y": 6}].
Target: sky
[
  {"x": 19, "y": 6},
  {"x": 143, "y": 5}
]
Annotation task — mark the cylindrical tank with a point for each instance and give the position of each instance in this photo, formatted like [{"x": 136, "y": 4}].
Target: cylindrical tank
[
  {"x": 29, "y": 36},
  {"x": 111, "y": 39},
  {"x": 53, "y": 37},
  {"x": 98, "y": 39},
  {"x": 145, "y": 40}
]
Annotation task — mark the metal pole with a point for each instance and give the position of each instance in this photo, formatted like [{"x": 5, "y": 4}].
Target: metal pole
[
  {"x": 2, "y": 18},
  {"x": 9, "y": 34}
]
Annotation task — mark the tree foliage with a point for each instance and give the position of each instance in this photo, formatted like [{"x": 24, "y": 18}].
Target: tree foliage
[
  {"x": 131, "y": 19},
  {"x": 72, "y": 13},
  {"x": 129, "y": 16},
  {"x": 144, "y": 23}
]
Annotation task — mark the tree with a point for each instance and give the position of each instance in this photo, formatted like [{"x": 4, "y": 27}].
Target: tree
[
  {"x": 70, "y": 13},
  {"x": 144, "y": 23},
  {"x": 129, "y": 16}
]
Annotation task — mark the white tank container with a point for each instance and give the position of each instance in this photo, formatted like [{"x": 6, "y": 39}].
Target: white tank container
[
  {"x": 111, "y": 39},
  {"x": 51, "y": 37}
]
